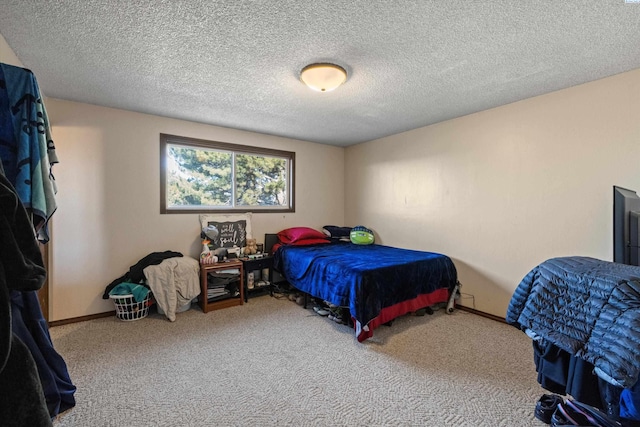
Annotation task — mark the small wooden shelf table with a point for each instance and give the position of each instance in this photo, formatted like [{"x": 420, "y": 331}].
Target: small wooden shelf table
[{"x": 208, "y": 304}]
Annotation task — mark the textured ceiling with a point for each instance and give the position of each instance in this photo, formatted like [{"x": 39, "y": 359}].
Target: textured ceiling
[{"x": 237, "y": 63}]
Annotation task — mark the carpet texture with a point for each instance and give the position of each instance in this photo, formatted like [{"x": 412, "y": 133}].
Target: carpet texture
[{"x": 272, "y": 363}]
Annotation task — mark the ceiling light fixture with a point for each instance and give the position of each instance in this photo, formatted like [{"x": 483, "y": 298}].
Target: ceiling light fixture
[{"x": 323, "y": 77}]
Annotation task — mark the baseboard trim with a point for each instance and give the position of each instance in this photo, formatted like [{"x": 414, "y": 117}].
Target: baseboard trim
[
  {"x": 113, "y": 313},
  {"x": 81, "y": 318},
  {"x": 481, "y": 313}
]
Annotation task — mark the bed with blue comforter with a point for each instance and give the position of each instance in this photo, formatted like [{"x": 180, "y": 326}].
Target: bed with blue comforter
[{"x": 377, "y": 283}]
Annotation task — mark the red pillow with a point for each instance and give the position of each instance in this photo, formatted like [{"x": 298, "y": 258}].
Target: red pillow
[
  {"x": 305, "y": 242},
  {"x": 296, "y": 234}
]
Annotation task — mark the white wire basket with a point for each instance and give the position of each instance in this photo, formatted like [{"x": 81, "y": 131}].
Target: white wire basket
[{"x": 128, "y": 309}]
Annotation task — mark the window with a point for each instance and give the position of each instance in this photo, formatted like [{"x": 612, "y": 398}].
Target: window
[{"x": 198, "y": 176}]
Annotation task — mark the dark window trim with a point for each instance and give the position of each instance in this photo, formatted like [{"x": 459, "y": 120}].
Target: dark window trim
[{"x": 166, "y": 139}]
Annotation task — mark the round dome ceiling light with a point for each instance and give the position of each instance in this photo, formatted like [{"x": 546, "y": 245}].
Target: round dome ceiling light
[{"x": 323, "y": 77}]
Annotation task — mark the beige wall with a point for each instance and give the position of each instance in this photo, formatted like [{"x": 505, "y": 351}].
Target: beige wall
[
  {"x": 7, "y": 55},
  {"x": 502, "y": 190},
  {"x": 109, "y": 197}
]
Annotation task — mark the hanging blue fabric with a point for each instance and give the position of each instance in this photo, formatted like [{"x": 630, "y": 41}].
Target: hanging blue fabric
[{"x": 29, "y": 156}]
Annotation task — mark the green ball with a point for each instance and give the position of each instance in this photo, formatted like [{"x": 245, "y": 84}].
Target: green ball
[{"x": 361, "y": 235}]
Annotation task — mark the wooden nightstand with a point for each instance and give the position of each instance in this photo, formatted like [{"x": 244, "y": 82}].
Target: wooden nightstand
[{"x": 221, "y": 285}]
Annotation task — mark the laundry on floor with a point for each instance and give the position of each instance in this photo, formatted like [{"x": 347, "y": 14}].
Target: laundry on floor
[{"x": 171, "y": 279}]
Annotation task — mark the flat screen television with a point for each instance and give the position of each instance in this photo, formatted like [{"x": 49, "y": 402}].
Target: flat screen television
[{"x": 626, "y": 226}]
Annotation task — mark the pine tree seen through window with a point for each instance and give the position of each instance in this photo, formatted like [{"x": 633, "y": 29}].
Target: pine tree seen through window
[{"x": 209, "y": 176}]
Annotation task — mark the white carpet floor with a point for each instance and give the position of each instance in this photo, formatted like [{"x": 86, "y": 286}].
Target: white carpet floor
[{"x": 272, "y": 363}]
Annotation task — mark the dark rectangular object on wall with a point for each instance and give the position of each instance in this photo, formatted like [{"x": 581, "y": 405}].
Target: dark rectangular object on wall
[
  {"x": 634, "y": 238},
  {"x": 625, "y": 202}
]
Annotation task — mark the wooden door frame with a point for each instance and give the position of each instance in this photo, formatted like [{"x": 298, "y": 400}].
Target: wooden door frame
[{"x": 43, "y": 293}]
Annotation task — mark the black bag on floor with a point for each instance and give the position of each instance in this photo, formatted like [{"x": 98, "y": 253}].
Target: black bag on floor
[{"x": 574, "y": 413}]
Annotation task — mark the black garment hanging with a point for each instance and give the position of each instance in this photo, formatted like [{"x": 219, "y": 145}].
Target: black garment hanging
[{"x": 21, "y": 270}]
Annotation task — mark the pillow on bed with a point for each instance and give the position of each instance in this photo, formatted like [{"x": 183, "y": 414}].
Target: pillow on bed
[
  {"x": 305, "y": 242},
  {"x": 297, "y": 234},
  {"x": 336, "y": 232}
]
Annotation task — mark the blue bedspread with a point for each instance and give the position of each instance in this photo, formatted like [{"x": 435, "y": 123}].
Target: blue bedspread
[{"x": 365, "y": 278}]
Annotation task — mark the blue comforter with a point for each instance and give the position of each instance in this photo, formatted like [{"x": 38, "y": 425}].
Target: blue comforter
[
  {"x": 365, "y": 278},
  {"x": 587, "y": 307}
]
